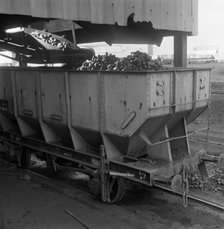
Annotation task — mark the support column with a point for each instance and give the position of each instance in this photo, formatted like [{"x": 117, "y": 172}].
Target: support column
[{"x": 180, "y": 50}]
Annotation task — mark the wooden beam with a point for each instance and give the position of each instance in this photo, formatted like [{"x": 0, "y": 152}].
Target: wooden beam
[{"x": 180, "y": 50}]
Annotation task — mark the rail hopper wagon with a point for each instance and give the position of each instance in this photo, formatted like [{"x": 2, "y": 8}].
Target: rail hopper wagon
[{"x": 112, "y": 125}]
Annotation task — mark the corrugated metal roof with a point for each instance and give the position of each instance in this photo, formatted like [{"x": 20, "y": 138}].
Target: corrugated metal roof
[{"x": 180, "y": 15}]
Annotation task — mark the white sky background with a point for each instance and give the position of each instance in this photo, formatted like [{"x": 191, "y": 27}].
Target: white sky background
[
  {"x": 210, "y": 24},
  {"x": 210, "y": 28}
]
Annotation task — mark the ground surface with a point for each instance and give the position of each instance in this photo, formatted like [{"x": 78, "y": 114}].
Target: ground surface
[
  {"x": 211, "y": 188},
  {"x": 38, "y": 203}
]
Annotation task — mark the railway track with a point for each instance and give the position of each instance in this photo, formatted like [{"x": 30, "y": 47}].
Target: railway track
[
  {"x": 60, "y": 182},
  {"x": 191, "y": 197},
  {"x": 205, "y": 141},
  {"x": 217, "y": 91},
  {"x": 157, "y": 186}
]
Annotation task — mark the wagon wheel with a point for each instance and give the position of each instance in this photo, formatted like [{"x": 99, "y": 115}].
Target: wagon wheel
[
  {"x": 116, "y": 189},
  {"x": 10, "y": 153}
]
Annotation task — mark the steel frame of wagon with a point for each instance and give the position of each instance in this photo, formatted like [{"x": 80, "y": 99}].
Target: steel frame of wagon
[{"x": 92, "y": 161}]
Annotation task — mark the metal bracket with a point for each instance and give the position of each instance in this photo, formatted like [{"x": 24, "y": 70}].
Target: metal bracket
[
  {"x": 202, "y": 83},
  {"x": 19, "y": 155},
  {"x": 185, "y": 186},
  {"x": 121, "y": 174},
  {"x": 105, "y": 196},
  {"x": 147, "y": 140},
  {"x": 217, "y": 159}
]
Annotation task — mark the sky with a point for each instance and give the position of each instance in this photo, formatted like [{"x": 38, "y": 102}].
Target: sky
[
  {"x": 210, "y": 23},
  {"x": 210, "y": 28}
]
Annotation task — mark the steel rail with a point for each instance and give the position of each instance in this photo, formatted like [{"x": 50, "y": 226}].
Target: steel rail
[
  {"x": 61, "y": 184},
  {"x": 197, "y": 199},
  {"x": 194, "y": 198},
  {"x": 205, "y": 141}
]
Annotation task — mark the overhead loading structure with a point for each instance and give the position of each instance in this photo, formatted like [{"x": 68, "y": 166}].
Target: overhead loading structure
[
  {"x": 113, "y": 125},
  {"x": 112, "y": 21}
]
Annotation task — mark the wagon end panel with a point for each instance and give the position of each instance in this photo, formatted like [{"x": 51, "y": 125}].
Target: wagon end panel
[{"x": 7, "y": 103}]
